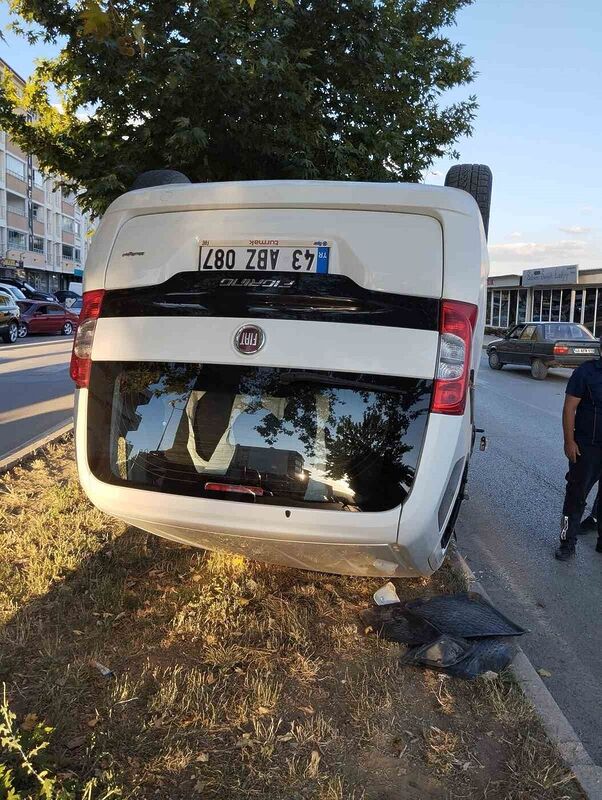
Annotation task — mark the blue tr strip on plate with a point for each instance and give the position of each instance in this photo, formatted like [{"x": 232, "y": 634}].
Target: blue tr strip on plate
[{"x": 322, "y": 268}]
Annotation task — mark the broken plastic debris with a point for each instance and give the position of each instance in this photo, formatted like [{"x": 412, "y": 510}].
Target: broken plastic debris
[
  {"x": 545, "y": 673},
  {"x": 467, "y": 615},
  {"x": 393, "y": 623},
  {"x": 456, "y": 634},
  {"x": 386, "y": 594},
  {"x": 485, "y": 655},
  {"x": 461, "y": 658},
  {"x": 104, "y": 671},
  {"x": 442, "y": 653}
]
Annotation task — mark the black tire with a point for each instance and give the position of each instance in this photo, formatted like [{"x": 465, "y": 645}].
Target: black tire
[
  {"x": 12, "y": 333},
  {"x": 67, "y": 329},
  {"x": 477, "y": 180},
  {"x": 494, "y": 360},
  {"x": 23, "y": 330},
  {"x": 539, "y": 370},
  {"x": 158, "y": 177}
]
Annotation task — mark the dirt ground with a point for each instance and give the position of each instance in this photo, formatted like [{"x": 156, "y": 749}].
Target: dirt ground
[{"x": 229, "y": 678}]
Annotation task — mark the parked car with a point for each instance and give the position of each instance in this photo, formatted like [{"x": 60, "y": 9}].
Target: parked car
[
  {"x": 541, "y": 345},
  {"x": 67, "y": 298},
  {"x": 38, "y": 317},
  {"x": 28, "y": 290},
  {"x": 9, "y": 317},
  {"x": 310, "y": 356},
  {"x": 14, "y": 290},
  {"x": 76, "y": 306}
]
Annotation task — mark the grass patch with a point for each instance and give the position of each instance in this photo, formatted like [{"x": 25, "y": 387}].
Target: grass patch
[{"x": 230, "y": 678}]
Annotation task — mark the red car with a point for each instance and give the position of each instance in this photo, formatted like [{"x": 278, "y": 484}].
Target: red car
[{"x": 39, "y": 316}]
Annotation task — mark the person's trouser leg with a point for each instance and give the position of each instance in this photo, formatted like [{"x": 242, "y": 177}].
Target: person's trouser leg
[
  {"x": 595, "y": 514},
  {"x": 590, "y": 522},
  {"x": 580, "y": 478}
]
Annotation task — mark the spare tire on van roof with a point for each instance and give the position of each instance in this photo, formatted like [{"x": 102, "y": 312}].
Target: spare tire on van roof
[
  {"x": 477, "y": 180},
  {"x": 158, "y": 177}
]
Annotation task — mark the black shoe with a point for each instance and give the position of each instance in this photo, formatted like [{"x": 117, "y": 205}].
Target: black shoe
[
  {"x": 565, "y": 552},
  {"x": 589, "y": 524},
  {"x": 599, "y": 546}
]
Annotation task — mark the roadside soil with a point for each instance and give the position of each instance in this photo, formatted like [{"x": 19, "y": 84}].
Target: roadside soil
[{"x": 231, "y": 678}]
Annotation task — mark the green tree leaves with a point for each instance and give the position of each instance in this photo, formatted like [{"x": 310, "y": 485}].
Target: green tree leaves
[{"x": 222, "y": 90}]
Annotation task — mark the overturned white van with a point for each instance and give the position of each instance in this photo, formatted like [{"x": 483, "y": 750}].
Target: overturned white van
[{"x": 284, "y": 369}]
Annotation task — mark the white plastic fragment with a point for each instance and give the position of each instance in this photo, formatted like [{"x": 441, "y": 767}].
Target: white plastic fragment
[
  {"x": 386, "y": 567},
  {"x": 386, "y": 595},
  {"x": 106, "y": 672}
]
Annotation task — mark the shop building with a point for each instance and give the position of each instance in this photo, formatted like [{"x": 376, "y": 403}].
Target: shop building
[
  {"x": 44, "y": 235},
  {"x": 549, "y": 294}
]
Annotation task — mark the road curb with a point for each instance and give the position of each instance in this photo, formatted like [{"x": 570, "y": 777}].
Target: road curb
[
  {"x": 28, "y": 449},
  {"x": 556, "y": 725}
]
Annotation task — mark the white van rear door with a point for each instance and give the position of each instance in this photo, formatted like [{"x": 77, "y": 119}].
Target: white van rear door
[{"x": 384, "y": 251}]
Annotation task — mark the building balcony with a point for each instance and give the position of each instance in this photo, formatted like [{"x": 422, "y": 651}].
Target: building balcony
[
  {"x": 28, "y": 257},
  {"x": 12, "y": 147},
  {"x": 16, "y": 219},
  {"x": 15, "y": 184}
]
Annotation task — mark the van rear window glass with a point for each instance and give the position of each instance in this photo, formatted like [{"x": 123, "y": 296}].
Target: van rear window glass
[{"x": 256, "y": 434}]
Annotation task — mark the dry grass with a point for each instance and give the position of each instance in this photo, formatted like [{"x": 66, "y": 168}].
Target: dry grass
[{"x": 234, "y": 679}]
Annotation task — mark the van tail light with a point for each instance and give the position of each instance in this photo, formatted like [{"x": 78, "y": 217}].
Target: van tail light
[
  {"x": 560, "y": 350},
  {"x": 84, "y": 338},
  {"x": 453, "y": 368}
]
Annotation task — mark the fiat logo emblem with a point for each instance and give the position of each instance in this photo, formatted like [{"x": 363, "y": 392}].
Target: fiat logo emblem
[{"x": 249, "y": 339}]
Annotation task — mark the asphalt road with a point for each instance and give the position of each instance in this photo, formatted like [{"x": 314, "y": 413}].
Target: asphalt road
[
  {"x": 36, "y": 392},
  {"x": 508, "y": 530}
]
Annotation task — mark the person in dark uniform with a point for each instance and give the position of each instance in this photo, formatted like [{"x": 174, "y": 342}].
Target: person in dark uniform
[
  {"x": 590, "y": 523},
  {"x": 582, "y": 427}
]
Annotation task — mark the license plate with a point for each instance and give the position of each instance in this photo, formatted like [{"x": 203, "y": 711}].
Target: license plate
[
  {"x": 260, "y": 256},
  {"x": 584, "y": 351}
]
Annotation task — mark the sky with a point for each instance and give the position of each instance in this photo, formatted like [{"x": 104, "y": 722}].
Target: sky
[{"x": 539, "y": 125}]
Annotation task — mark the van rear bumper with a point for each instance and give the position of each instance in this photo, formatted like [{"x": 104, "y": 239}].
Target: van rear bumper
[
  {"x": 397, "y": 543},
  {"x": 342, "y": 558}
]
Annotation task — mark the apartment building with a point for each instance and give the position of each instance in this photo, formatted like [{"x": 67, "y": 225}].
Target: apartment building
[{"x": 44, "y": 235}]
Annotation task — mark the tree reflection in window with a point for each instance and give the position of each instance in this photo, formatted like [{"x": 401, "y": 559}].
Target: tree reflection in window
[{"x": 355, "y": 439}]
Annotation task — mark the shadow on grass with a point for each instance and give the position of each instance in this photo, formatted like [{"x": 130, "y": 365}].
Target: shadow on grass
[{"x": 231, "y": 678}]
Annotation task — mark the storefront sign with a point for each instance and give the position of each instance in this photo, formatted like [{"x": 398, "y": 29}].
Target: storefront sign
[
  {"x": 552, "y": 276},
  {"x": 503, "y": 280},
  {"x": 10, "y": 262}
]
